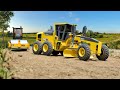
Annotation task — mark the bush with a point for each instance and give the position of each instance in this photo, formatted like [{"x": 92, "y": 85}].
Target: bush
[
  {"x": 4, "y": 70},
  {"x": 100, "y": 36},
  {"x": 114, "y": 45},
  {"x": 5, "y": 44},
  {"x": 92, "y": 34},
  {"x": 89, "y": 33},
  {"x": 104, "y": 33}
]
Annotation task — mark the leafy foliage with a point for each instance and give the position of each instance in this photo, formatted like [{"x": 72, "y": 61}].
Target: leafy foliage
[
  {"x": 100, "y": 36},
  {"x": 114, "y": 45},
  {"x": 5, "y": 17},
  {"x": 92, "y": 34},
  {"x": 4, "y": 65}
]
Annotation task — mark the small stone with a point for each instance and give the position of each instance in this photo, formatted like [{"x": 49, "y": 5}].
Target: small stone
[
  {"x": 20, "y": 55},
  {"x": 69, "y": 74}
]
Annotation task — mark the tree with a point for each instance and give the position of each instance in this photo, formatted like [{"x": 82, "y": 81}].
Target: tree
[
  {"x": 90, "y": 33},
  {"x": 5, "y": 17},
  {"x": 104, "y": 33},
  {"x": 77, "y": 32}
]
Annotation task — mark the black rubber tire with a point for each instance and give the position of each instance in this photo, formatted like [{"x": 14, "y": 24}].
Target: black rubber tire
[
  {"x": 39, "y": 51},
  {"x": 105, "y": 53},
  {"x": 55, "y": 53},
  {"x": 50, "y": 48},
  {"x": 61, "y": 53},
  {"x": 24, "y": 49},
  {"x": 87, "y": 52}
]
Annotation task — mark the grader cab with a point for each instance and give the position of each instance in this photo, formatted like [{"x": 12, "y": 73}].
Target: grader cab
[{"x": 62, "y": 39}]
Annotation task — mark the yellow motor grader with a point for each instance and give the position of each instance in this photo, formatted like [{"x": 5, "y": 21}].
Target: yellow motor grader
[{"x": 62, "y": 39}]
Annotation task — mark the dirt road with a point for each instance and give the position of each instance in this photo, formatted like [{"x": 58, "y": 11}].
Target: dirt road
[{"x": 26, "y": 65}]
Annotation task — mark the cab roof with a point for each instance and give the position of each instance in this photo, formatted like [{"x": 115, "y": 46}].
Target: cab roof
[{"x": 63, "y": 23}]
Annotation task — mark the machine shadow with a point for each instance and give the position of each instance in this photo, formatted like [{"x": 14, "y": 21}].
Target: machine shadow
[
  {"x": 50, "y": 55},
  {"x": 94, "y": 60},
  {"x": 21, "y": 50}
]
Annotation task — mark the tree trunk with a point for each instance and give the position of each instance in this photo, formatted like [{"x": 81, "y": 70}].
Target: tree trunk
[{"x": 3, "y": 44}]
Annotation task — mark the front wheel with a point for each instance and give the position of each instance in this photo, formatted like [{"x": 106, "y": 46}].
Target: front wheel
[
  {"x": 83, "y": 52},
  {"x": 104, "y": 53},
  {"x": 37, "y": 47},
  {"x": 47, "y": 48}
]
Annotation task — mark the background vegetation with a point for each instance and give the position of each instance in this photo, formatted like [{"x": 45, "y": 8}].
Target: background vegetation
[{"x": 111, "y": 40}]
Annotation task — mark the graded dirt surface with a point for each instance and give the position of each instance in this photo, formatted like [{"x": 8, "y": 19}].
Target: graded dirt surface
[{"x": 26, "y": 65}]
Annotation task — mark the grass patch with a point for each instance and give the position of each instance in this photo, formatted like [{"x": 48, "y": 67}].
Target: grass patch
[
  {"x": 107, "y": 38},
  {"x": 114, "y": 45}
]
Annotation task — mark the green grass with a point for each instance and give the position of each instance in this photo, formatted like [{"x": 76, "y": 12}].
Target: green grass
[
  {"x": 29, "y": 35},
  {"x": 112, "y": 40},
  {"x": 109, "y": 38}
]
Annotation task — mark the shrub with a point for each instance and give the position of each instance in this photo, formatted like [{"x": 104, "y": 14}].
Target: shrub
[
  {"x": 92, "y": 34},
  {"x": 114, "y": 45},
  {"x": 100, "y": 36},
  {"x": 89, "y": 33},
  {"x": 4, "y": 70},
  {"x": 5, "y": 44},
  {"x": 104, "y": 33}
]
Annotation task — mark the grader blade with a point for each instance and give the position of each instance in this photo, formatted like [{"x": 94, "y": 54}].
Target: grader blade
[{"x": 70, "y": 53}]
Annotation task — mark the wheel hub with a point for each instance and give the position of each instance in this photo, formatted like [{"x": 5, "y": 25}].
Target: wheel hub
[
  {"x": 81, "y": 52},
  {"x": 45, "y": 47},
  {"x": 35, "y": 47}
]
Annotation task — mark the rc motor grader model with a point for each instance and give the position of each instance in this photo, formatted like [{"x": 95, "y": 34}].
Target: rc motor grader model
[
  {"x": 62, "y": 39},
  {"x": 17, "y": 43}
]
